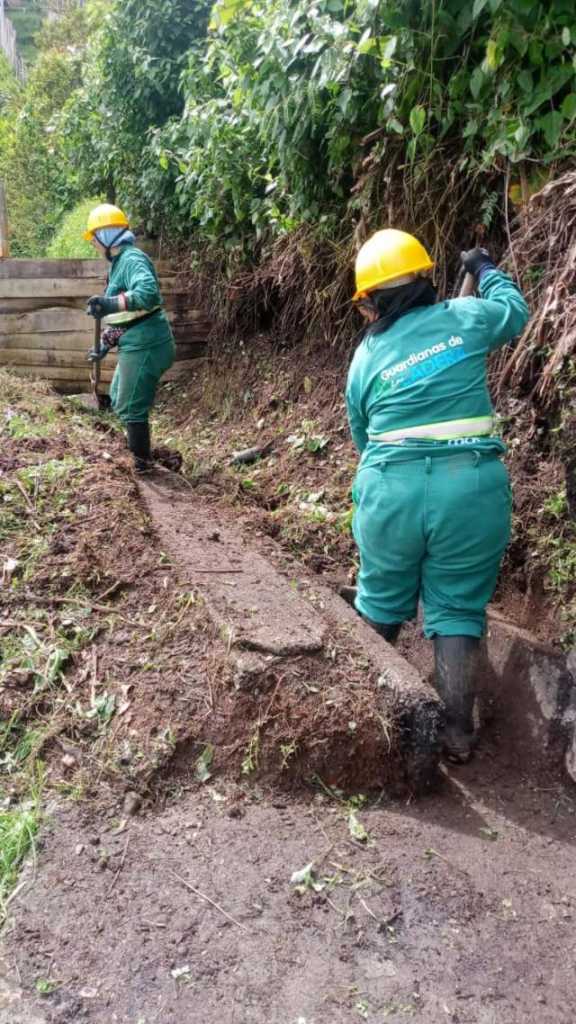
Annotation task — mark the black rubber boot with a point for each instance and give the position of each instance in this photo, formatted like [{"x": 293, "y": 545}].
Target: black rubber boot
[
  {"x": 348, "y": 594},
  {"x": 456, "y": 664},
  {"x": 390, "y": 631},
  {"x": 139, "y": 445}
]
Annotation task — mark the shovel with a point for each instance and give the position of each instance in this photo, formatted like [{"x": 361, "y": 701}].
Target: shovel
[
  {"x": 101, "y": 401},
  {"x": 468, "y": 286},
  {"x": 95, "y": 367},
  {"x": 465, "y": 285}
]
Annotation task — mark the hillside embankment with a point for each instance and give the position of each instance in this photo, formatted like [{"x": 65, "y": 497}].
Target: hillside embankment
[{"x": 222, "y": 845}]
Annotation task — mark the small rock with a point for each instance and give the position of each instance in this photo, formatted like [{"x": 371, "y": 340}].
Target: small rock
[
  {"x": 79, "y": 849},
  {"x": 68, "y": 761},
  {"x": 132, "y": 803}
]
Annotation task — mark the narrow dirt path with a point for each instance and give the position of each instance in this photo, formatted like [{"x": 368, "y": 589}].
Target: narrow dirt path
[{"x": 459, "y": 908}]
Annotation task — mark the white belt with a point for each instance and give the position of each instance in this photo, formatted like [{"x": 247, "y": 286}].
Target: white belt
[
  {"x": 476, "y": 426},
  {"x": 118, "y": 319}
]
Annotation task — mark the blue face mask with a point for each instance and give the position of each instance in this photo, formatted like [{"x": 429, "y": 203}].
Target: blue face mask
[{"x": 112, "y": 237}]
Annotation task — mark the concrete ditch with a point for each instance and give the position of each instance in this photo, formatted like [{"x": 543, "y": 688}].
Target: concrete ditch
[
  {"x": 532, "y": 688},
  {"x": 271, "y": 614},
  {"x": 270, "y": 619}
]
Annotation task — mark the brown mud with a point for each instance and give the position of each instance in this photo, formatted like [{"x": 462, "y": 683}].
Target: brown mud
[
  {"x": 154, "y": 898},
  {"x": 460, "y": 907}
]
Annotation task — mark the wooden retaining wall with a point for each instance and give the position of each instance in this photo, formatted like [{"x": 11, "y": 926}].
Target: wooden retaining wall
[{"x": 45, "y": 332}]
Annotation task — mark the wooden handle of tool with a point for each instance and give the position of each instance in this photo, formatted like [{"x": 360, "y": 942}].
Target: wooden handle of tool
[
  {"x": 468, "y": 286},
  {"x": 95, "y": 374}
]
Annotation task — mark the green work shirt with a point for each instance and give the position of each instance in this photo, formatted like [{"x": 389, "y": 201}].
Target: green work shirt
[
  {"x": 421, "y": 385},
  {"x": 133, "y": 273}
]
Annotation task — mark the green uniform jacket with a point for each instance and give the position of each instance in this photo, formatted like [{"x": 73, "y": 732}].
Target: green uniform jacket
[
  {"x": 133, "y": 273},
  {"x": 422, "y": 384}
]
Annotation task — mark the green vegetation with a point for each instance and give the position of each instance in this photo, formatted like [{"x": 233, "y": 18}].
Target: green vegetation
[
  {"x": 27, "y": 22},
  {"x": 555, "y": 539},
  {"x": 304, "y": 113},
  {"x": 241, "y": 121},
  {"x": 39, "y": 187},
  {"x": 18, "y": 828},
  {"x": 68, "y": 241}
]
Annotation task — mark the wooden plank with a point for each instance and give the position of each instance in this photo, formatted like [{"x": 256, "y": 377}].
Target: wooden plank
[
  {"x": 47, "y": 359},
  {"x": 22, "y": 269},
  {"x": 56, "y": 373},
  {"x": 43, "y": 321},
  {"x": 188, "y": 336},
  {"x": 63, "y": 287},
  {"x": 180, "y": 369},
  {"x": 71, "y": 341},
  {"x": 177, "y": 301},
  {"x": 64, "y": 320},
  {"x": 17, "y": 269},
  {"x": 76, "y": 354}
]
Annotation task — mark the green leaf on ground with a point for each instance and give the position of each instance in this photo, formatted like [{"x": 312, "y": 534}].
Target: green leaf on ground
[{"x": 203, "y": 764}]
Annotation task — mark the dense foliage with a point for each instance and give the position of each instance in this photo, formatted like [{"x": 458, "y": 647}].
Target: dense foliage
[
  {"x": 38, "y": 182},
  {"x": 240, "y": 121},
  {"x": 289, "y": 113},
  {"x": 68, "y": 240}
]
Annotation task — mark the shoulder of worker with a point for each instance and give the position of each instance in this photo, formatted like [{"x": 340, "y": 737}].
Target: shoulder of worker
[{"x": 134, "y": 256}]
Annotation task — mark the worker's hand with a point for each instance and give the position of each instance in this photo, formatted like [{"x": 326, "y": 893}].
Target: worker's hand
[
  {"x": 97, "y": 357},
  {"x": 103, "y": 305},
  {"x": 476, "y": 262}
]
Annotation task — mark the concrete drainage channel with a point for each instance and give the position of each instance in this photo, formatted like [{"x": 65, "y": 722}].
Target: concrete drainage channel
[
  {"x": 533, "y": 689},
  {"x": 271, "y": 615}
]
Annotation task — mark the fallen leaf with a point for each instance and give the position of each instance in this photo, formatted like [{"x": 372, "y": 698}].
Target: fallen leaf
[
  {"x": 356, "y": 828},
  {"x": 202, "y": 770}
]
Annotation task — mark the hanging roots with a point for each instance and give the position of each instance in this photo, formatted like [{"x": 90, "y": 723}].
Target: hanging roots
[{"x": 543, "y": 250}]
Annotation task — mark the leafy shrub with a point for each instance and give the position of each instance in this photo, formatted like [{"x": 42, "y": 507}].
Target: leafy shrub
[{"x": 68, "y": 241}]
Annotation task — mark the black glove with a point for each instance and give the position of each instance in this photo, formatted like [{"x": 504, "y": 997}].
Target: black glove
[
  {"x": 476, "y": 261},
  {"x": 97, "y": 357},
  {"x": 103, "y": 305}
]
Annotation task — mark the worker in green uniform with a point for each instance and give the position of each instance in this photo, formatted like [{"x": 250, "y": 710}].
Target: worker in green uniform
[
  {"x": 432, "y": 495},
  {"x": 131, "y": 310}
]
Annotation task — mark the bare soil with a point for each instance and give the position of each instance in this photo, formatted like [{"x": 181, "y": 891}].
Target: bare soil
[
  {"x": 155, "y": 898},
  {"x": 458, "y": 908}
]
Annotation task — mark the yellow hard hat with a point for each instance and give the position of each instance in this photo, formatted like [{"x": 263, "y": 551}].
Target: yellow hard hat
[
  {"x": 388, "y": 255},
  {"x": 105, "y": 216}
]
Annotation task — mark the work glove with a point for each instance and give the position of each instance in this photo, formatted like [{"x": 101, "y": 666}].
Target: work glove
[
  {"x": 103, "y": 305},
  {"x": 477, "y": 262},
  {"x": 97, "y": 357}
]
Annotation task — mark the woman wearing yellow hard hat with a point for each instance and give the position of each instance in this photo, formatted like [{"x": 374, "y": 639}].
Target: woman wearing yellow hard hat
[
  {"x": 432, "y": 497},
  {"x": 132, "y": 311}
]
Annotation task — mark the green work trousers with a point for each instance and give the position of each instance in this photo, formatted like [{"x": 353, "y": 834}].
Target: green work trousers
[
  {"x": 136, "y": 378},
  {"x": 434, "y": 529}
]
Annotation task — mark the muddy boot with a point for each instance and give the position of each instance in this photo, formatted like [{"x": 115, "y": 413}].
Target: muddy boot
[
  {"x": 139, "y": 445},
  {"x": 348, "y": 594},
  {"x": 390, "y": 631},
  {"x": 456, "y": 663}
]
